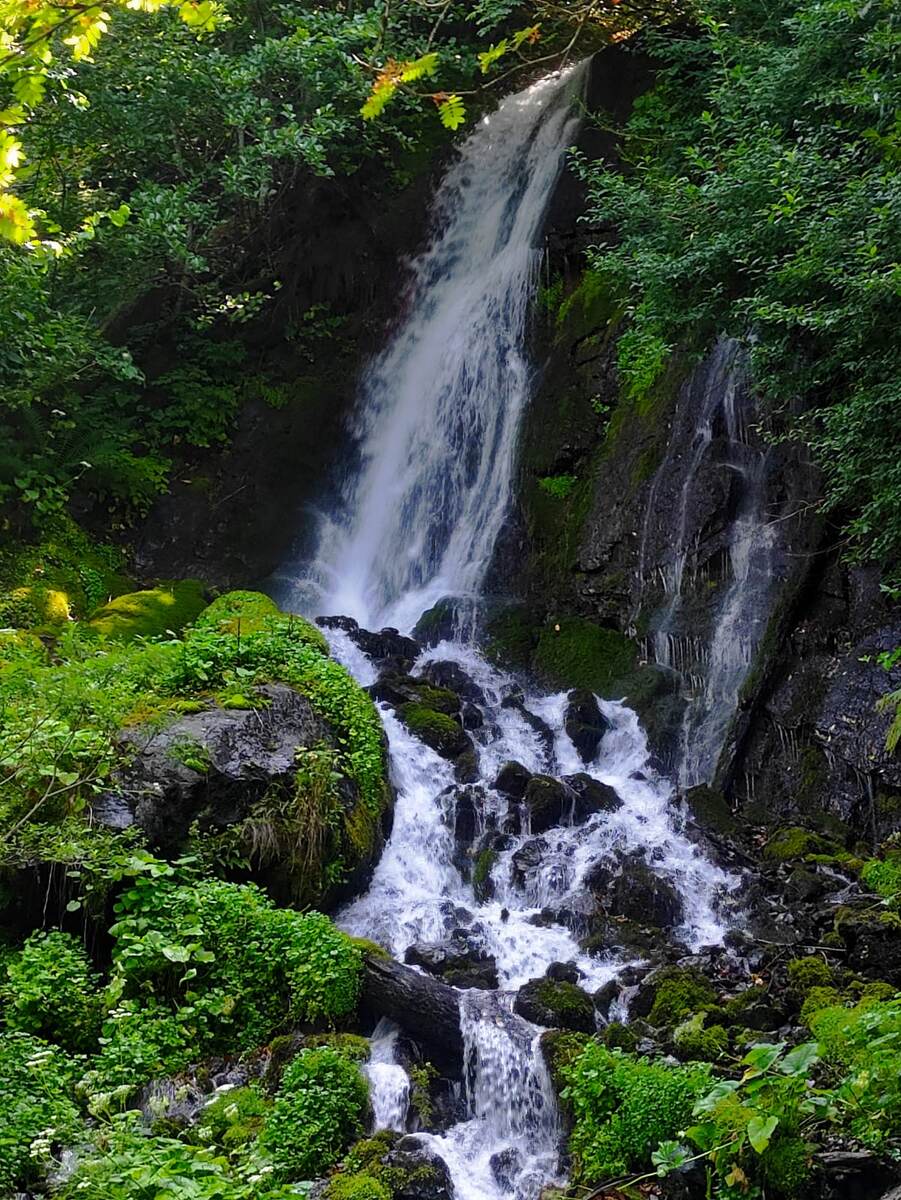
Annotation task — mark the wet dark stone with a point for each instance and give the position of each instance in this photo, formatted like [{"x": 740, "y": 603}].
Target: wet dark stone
[
  {"x": 633, "y": 890},
  {"x": 562, "y": 972},
  {"x": 555, "y": 1005},
  {"x": 451, "y": 675},
  {"x": 505, "y": 1166},
  {"x": 591, "y": 796},
  {"x": 604, "y": 997},
  {"x": 467, "y": 803},
  {"x": 527, "y": 859},
  {"x": 466, "y": 765},
  {"x": 397, "y": 688},
  {"x": 421, "y": 1174},
  {"x": 381, "y": 646},
  {"x": 437, "y": 624},
  {"x": 472, "y": 717},
  {"x": 549, "y": 802},
  {"x": 457, "y": 960},
  {"x": 512, "y": 780},
  {"x": 584, "y": 723}
]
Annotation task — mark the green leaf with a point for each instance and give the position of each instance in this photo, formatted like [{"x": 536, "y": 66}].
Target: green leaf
[
  {"x": 760, "y": 1130},
  {"x": 761, "y": 1057},
  {"x": 452, "y": 112},
  {"x": 490, "y": 56},
  {"x": 801, "y": 1059}
]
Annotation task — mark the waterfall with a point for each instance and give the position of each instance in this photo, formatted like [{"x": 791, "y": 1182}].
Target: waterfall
[
  {"x": 714, "y": 425},
  {"x": 418, "y": 518},
  {"x": 440, "y": 409}
]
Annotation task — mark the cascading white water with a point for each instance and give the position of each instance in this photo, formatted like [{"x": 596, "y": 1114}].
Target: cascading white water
[
  {"x": 716, "y": 667},
  {"x": 418, "y": 521},
  {"x": 389, "y": 1083},
  {"x": 440, "y": 409}
]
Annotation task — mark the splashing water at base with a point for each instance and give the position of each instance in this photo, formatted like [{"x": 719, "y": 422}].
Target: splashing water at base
[{"x": 389, "y": 1083}]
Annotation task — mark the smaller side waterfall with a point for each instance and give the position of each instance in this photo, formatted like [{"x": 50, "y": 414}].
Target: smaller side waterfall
[
  {"x": 509, "y": 1146},
  {"x": 716, "y": 602},
  {"x": 389, "y": 1083}
]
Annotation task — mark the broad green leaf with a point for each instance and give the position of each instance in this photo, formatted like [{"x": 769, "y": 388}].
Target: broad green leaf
[
  {"x": 761, "y": 1057},
  {"x": 801, "y": 1059},
  {"x": 760, "y": 1130}
]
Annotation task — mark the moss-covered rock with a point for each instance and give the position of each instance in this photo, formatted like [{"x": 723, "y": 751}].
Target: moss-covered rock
[
  {"x": 669, "y": 995},
  {"x": 575, "y": 653},
  {"x": 807, "y": 973},
  {"x": 167, "y": 608},
  {"x": 442, "y": 732},
  {"x": 696, "y": 1042},
  {"x": 794, "y": 842},
  {"x": 242, "y": 613},
  {"x": 556, "y": 1004}
]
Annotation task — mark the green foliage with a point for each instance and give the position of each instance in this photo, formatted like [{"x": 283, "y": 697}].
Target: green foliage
[
  {"x": 694, "y": 1042},
  {"x": 883, "y": 875},
  {"x": 319, "y": 1110},
  {"x": 558, "y": 486},
  {"x": 760, "y": 199},
  {"x": 37, "y": 1106},
  {"x": 50, "y": 990},
  {"x": 167, "y": 608},
  {"x": 356, "y": 1187},
  {"x": 622, "y": 1107},
  {"x": 233, "y": 1119}
]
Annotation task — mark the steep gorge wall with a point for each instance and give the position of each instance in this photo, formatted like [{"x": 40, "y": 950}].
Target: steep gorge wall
[{"x": 618, "y": 482}]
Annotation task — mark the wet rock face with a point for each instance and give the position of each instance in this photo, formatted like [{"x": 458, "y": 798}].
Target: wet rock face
[
  {"x": 585, "y": 724},
  {"x": 512, "y": 780},
  {"x": 633, "y": 890},
  {"x": 422, "y": 1175},
  {"x": 213, "y": 765},
  {"x": 459, "y": 960},
  {"x": 386, "y": 647}
]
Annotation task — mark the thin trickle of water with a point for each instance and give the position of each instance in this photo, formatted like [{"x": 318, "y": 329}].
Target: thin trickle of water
[
  {"x": 440, "y": 410},
  {"x": 715, "y": 668}
]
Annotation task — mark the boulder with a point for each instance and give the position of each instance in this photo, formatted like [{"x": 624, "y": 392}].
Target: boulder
[
  {"x": 384, "y": 646},
  {"x": 591, "y": 796},
  {"x": 512, "y": 780},
  {"x": 417, "y": 1173},
  {"x": 425, "y": 1007},
  {"x": 549, "y": 802},
  {"x": 438, "y": 623},
  {"x": 397, "y": 688},
  {"x": 458, "y": 960},
  {"x": 442, "y": 732},
  {"x": 584, "y": 723},
  {"x": 527, "y": 859},
  {"x": 555, "y": 1005},
  {"x": 450, "y": 675},
  {"x": 631, "y": 889}
]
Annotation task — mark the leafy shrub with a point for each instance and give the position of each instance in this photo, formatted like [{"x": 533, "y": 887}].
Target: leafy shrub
[
  {"x": 883, "y": 875},
  {"x": 623, "y": 1106},
  {"x": 50, "y": 990},
  {"x": 319, "y": 1110},
  {"x": 356, "y": 1187},
  {"x": 233, "y": 1119},
  {"x": 36, "y": 1106},
  {"x": 558, "y": 486}
]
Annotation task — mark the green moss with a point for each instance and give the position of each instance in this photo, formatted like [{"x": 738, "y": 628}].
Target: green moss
[
  {"x": 558, "y": 486},
  {"x": 168, "y": 607},
  {"x": 365, "y": 1155},
  {"x": 710, "y": 809},
  {"x": 351, "y": 1045},
  {"x": 421, "y": 1079},
  {"x": 573, "y": 652},
  {"x": 795, "y": 842},
  {"x": 619, "y": 1037},
  {"x": 735, "y": 1008},
  {"x": 883, "y": 876},
  {"x": 481, "y": 873},
  {"x": 428, "y": 722},
  {"x": 243, "y": 613},
  {"x": 807, "y": 973},
  {"x": 695, "y": 1043},
  {"x": 561, "y": 1050},
  {"x": 369, "y": 948},
  {"x": 564, "y": 1000},
  {"x": 510, "y": 637},
  {"x": 594, "y": 304},
  {"x": 235, "y": 1118},
  {"x": 681, "y": 991},
  {"x": 819, "y": 998},
  {"x": 786, "y": 1167}
]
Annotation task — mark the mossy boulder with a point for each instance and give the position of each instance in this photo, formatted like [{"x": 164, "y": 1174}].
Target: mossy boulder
[
  {"x": 575, "y": 653},
  {"x": 696, "y": 1042},
  {"x": 670, "y": 995},
  {"x": 33, "y": 606},
  {"x": 442, "y": 732},
  {"x": 556, "y": 1004},
  {"x": 794, "y": 842},
  {"x": 167, "y": 608},
  {"x": 242, "y": 613}
]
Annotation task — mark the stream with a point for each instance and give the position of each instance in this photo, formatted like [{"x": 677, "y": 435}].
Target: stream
[{"x": 425, "y": 494}]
